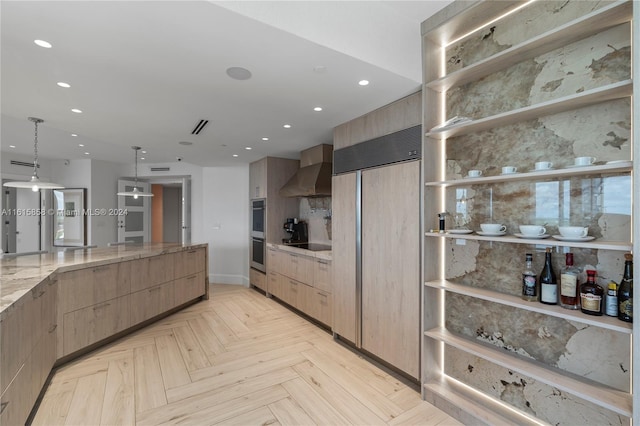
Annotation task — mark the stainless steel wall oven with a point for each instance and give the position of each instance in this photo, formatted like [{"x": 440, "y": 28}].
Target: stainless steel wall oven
[{"x": 258, "y": 234}]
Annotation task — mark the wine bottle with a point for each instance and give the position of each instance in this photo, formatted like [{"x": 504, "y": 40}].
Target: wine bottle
[
  {"x": 529, "y": 281},
  {"x": 548, "y": 282},
  {"x": 591, "y": 295},
  {"x": 625, "y": 291},
  {"x": 569, "y": 284}
]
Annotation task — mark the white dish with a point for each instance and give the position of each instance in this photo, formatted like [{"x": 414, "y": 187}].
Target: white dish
[
  {"x": 459, "y": 231},
  {"x": 533, "y": 237},
  {"x": 561, "y": 238},
  {"x": 492, "y": 234},
  {"x": 574, "y": 166}
]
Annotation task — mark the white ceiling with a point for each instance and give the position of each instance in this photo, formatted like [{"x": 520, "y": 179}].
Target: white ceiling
[{"x": 145, "y": 72}]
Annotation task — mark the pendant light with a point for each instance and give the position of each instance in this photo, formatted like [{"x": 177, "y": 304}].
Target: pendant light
[
  {"x": 35, "y": 184},
  {"x": 136, "y": 192}
]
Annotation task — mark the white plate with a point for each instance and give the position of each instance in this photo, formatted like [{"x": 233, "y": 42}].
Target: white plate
[
  {"x": 561, "y": 238},
  {"x": 459, "y": 231},
  {"x": 541, "y": 170},
  {"x": 491, "y": 234},
  {"x": 574, "y": 166},
  {"x": 533, "y": 237}
]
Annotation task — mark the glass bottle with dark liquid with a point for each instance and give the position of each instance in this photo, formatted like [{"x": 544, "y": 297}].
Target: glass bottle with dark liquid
[
  {"x": 625, "y": 291},
  {"x": 591, "y": 295},
  {"x": 548, "y": 282}
]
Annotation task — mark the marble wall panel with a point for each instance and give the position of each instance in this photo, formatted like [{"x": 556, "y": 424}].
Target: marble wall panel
[
  {"x": 545, "y": 402},
  {"x": 317, "y": 213},
  {"x": 535, "y": 19}
]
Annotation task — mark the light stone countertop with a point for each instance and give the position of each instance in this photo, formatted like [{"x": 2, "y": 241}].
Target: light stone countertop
[
  {"x": 22, "y": 274},
  {"x": 324, "y": 254}
]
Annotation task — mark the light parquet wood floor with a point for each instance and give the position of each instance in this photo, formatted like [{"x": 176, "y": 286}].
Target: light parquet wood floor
[{"x": 236, "y": 359}]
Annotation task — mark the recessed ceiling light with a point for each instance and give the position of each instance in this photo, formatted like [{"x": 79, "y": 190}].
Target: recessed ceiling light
[
  {"x": 142, "y": 158},
  {"x": 239, "y": 73},
  {"x": 248, "y": 148},
  {"x": 12, "y": 146},
  {"x": 74, "y": 135},
  {"x": 363, "y": 82},
  {"x": 235, "y": 155},
  {"x": 287, "y": 126},
  {"x": 265, "y": 139},
  {"x": 317, "y": 109},
  {"x": 144, "y": 152},
  {"x": 63, "y": 84},
  {"x": 86, "y": 153},
  {"x": 76, "y": 110},
  {"x": 80, "y": 144},
  {"x": 43, "y": 43}
]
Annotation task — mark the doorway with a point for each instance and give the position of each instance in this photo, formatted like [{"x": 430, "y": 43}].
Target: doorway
[
  {"x": 21, "y": 225},
  {"x": 166, "y": 213}
]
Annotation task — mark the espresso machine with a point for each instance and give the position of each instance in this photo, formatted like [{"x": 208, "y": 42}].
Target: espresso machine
[{"x": 297, "y": 231}]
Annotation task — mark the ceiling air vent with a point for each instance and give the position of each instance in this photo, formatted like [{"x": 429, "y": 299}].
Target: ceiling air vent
[
  {"x": 22, "y": 163},
  {"x": 159, "y": 169},
  {"x": 196, "y": 130}
]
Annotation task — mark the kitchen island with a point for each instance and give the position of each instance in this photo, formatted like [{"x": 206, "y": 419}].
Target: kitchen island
[{"x": 56, "y": 306}]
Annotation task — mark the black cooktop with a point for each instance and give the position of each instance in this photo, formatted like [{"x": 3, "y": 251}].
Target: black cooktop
[{"x": 310, "y": 246}]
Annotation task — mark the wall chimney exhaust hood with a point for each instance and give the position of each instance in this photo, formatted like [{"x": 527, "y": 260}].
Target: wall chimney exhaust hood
[{"x": 313, "y": 179}]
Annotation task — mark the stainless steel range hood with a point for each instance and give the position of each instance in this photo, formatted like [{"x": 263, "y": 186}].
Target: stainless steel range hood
[{"x": 313, "y": 179}]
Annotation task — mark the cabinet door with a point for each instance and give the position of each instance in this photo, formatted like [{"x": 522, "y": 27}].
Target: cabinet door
[
  {"x": 258, "y": 179},
  {"x": 189, "y": 288},
  {"x": 391, "y": 264},
  {"x": 94, "y": 323},
  {"x": 319, "y": 305},
  {"x": 322, "y": 275},
  {"x": 343, "y": 223},
  {"x": 274, "y": 260},
  {"x": 274, "y": 284},
  {"x": 303, "y": 268},
  {"x": 150, "y": 302},
  {"x": 151, "y": 271}
]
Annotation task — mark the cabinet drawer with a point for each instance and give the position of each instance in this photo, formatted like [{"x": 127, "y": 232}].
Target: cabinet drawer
[
  {"x": 189, "y": 262},
  {"x": 274, "y": 260},
  {"x": 258, "y": 279},
  {"x": 319, "y": 306},
  {"x": 150, "y": 302},
  {"x": 322, "y": 275},
  {"x": 274, "y": 284},
  {"x": 89, "y": 286},
  {"x": 294, "y": 294},
  {"x": 188, "y": 288},
  {"x": 152, "y": 271},
  {"x": 94, "y": 323}
]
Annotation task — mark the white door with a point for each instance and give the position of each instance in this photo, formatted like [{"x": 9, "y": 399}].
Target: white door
[{"x": 133, "y": 224}]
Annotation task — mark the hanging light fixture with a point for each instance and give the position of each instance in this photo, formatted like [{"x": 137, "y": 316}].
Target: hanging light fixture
[
  {"x": 35, "y": 184},
  {"x": 136, "y": 192}
]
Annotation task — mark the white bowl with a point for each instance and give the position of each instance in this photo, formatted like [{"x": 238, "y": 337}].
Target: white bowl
[{"x": 573, "y": 231}]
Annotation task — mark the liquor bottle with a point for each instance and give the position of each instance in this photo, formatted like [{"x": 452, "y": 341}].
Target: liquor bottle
[
  {"x": 529, "y": 281},
  {"x": 625, "y": 291},
  {"x": 569, "y": 284},
  {"x": 548, "y": 282},
  {"x": 611, "y": 304},
  {"x": 591, "y": 295}
]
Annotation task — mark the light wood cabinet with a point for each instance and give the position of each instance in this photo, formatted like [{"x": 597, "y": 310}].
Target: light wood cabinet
[
  {"x": 274, "y": 259},
  {"x": 318, "y": 304},
  {"x": 258, "y": 279},
  {"x": 86, "y": 326},
  {"x": 189, "y": 261},
  {"x": 274, "y": 284},
  {"x": 322, "y": 277},
  {"x": 151, "y": 302},
  {"x": 343, "y": 247},
  {"x": 188, "y": 288},
  {"x": 154, "y": 270},
  {"x": 258, "y": 179}
]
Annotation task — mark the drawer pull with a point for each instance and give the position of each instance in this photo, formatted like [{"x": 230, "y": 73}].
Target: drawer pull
[
  {"x": 192, "y": 277},
  {"x": 3, "y": 406},
  {"x": 101, "y": 268},
  {"x": 323, "y": 262},
  {"x": 104, "y": 305},
  {"x": 154, "y": 289},
  {"x": 321, "y": 294},
  {"x": 53, "y": 328},
  {"x": 38, "y": 294},
  {"x": 192, "y": 251}
]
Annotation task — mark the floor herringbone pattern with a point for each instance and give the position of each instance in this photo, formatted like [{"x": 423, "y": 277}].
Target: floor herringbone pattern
[{"x": 236, "y": 359}]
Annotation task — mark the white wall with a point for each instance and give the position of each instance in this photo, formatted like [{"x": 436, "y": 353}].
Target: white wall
[
  {"x": 226, "y": 223},
  {"x": 104, "y": 186}
]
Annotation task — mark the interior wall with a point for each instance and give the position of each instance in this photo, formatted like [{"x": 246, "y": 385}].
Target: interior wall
[
  {"x": 103, "y": 228},
  {"x": 226, "y": 212}
]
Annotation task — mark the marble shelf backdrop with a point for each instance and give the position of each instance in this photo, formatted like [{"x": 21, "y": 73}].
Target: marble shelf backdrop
[{"x": 603, "y": 203}]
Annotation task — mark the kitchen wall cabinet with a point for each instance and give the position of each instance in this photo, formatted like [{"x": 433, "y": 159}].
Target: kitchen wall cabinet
[
  {"x": 266, "y": 177},
  {"x": 376, "y": 250},
  {"x": 291, "y": 278},
  {"x": 508, "y": 360}
]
